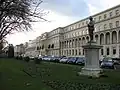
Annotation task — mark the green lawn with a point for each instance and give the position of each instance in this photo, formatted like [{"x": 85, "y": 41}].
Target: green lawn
[{"x": 52, "y": 76}]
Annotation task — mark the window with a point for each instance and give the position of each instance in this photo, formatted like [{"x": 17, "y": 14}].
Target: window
[
  {"x": 98, "y": 28},
  {"x": 110, "y": 25},
  {"x": 72, "y": 52},
  {"x": 66, "y": 29},
  {"x": 85, "y": 31},
  {"x": 79, "y": 52},
  {"x": 86, "y": 22},
  {"x": 64, "y": 36},
  {"x": 69, "y": 52},
  {"x": 117, "y": 23},
  {"x": 76, "y": 26},
  {"x": 83, "y": 23},
  {"x": 72, "y": 27},
  {"x": 117, "y": 12},
  {"x": 79, "y": 25},
  {"x": 114, "y": 50},
  {"x": 80, "y": 33},
  {"x": 110, "y": 14},
  {"x": 107, "y": 51},
  {"x": 105, "y": 16},
  {"x": 69, "y": 28},
  {"x": 105, "y": 26},
  {"x": 101, "y": 51},
  {"x": 83, "y": 52},
  {"x": 76, "y": 51},
  {"x": 94, "y": 19},
  {"x": 99, "y": 18}
]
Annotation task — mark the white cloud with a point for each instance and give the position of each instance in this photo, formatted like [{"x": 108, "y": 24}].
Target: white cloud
[
  {"x": 58, "y": 20},
  {"x": 40, "y": 27},
  {"x": 92, "y": 9}
]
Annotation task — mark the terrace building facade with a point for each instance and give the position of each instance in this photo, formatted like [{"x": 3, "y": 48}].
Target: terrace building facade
[{"x": 69, "y": 40}]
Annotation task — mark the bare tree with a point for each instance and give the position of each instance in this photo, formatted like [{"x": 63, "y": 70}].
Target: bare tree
[{"x": 17, "y": 15}]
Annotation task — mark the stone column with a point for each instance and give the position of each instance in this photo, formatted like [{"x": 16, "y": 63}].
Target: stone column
[
  {"x": 111, "y": 38},
  {"x": 111, "y": 50},
  {"x": 117, "y": 50},
  {"x": 67, "y": 44},
  {"x": 74, "y": 43},
  {"x": 104, "y": 51},
  {"x": 61, "y": 45},
  {"x": 79, "y": 43},
  {"x": 70, "y": 45},
  {"x": 98, "y": 40},
  {"x": 117, "y": 36},
  {"x": 104, "y": 39},
  {"x": 64, "y": 44}
]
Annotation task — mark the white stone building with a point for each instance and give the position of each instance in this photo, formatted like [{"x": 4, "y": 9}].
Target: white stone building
[
  {"x": 68, "y": 40},
  {"x": 30, "y": 50},
  {"x": 19, "y": 50},
  {"x": 107, "y": 33}
]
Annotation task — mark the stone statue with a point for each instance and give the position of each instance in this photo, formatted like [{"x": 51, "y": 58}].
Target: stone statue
[{"x": 91, "y": 28}]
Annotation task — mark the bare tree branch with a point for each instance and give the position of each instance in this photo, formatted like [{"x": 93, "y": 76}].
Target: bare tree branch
[{"x": 17, "y": 15}]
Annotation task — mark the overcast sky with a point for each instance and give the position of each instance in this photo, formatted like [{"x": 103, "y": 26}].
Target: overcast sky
[{"x": 62, "y": 13}]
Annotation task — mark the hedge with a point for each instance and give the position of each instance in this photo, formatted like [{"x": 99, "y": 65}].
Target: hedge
[{"x": 69, "y": 85}]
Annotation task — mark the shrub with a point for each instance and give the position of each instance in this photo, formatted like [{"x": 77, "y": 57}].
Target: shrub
[
  {"x": 16, "y": 57},
  {"x": 27, "y": 59},
  {"x": 37, "y": 61},
  {"x": 70, "y": 85},
  {"x": 56, "y": 60},
  {"x": 20, "y": 57}
]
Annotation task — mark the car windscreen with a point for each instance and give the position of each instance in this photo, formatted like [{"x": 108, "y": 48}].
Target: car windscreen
[{"x": 72, "y": 58}]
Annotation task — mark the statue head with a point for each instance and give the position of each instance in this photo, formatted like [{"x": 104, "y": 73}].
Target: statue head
[{"x": 90, "y": 18}]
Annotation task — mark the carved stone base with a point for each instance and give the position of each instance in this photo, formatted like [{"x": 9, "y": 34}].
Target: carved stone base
[{"x": 94, "y": 72}]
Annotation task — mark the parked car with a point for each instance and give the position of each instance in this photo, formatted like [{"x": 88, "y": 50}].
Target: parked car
[
  {"x": 46, "y": 58},
  {"x": 64, "y": 60},
  {"x": 72, "y": 60},
  {"x": 55, "y": 58},
  {"x": 40, "y": 57},
  {"x": 116, "y": 61},
  {"x": 80, "y": 60},
  {"x": 107, "y": 63},
  {"x": 31, "y": 58}
]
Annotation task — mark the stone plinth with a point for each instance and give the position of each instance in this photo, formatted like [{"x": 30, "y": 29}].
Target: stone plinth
[{"x": 91, "y": 67}]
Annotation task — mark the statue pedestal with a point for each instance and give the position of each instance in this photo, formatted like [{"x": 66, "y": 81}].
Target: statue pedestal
[{"x": 91, "y": 67}]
